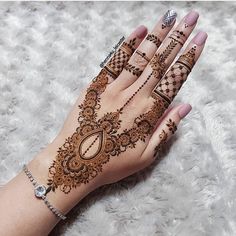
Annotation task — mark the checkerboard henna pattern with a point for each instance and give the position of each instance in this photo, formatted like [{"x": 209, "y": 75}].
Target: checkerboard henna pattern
[{"x": 120, "y": 58}]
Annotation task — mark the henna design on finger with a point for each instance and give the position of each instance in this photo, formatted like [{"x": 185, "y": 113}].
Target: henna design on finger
[
  {"x": 134, "y": 70},
  {"x": 171, "y": 126},
  {"x": 178, "y": 36},
  {"x": 120, "y": 58},
  {"x": 164, "y": 136},
  {"x": 170, "y": 84},
  {"x": 158, "y": 62},
  {"x": 143, "y": 55},
  {"x": 154, "y": 39}
]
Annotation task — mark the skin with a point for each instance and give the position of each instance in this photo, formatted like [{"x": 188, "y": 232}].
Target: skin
[{"x": 14, "y": 203}]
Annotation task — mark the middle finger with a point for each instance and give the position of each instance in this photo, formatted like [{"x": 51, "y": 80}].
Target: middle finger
[{"x": 165, "y": 55}]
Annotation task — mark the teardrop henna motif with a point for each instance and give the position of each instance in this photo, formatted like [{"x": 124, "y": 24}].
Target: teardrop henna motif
[
  {"x": 95, "y": 141},
  {"x": 83, "y": 155}
]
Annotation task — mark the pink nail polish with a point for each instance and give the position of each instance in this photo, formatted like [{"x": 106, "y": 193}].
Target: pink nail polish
[
  {"x": 200, "y": 38},
  {"x": 141, "y": 31},
  {"x": 184, "y": 110},
  {"x": 191, "y": 18}
]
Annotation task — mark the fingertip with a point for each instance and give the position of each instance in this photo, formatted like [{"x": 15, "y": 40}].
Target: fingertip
[
  {"x": 141, "y": 31},
  {"x": 184, "y": 110},
  {"x": 200, "y": 38}
]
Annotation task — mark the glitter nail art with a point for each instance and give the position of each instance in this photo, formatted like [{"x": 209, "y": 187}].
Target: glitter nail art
[{"x": 169, "y": 17}]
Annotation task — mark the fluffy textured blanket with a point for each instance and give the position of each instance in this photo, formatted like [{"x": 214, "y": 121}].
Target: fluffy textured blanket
[{"x": 49, "y": 51}]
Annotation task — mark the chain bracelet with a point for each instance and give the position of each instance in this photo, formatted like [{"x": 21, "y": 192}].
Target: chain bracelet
[{"x": 40, "y": 191}]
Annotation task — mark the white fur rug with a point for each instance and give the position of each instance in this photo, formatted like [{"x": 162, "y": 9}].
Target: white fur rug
[{"x": 49, "y": 51}]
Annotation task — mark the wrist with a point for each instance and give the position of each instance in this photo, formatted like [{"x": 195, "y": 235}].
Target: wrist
[{"x": 39, "y": 167}]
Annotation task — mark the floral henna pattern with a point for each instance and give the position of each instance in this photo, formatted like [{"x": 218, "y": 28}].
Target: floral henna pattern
[{"x": 95, "y": 141}]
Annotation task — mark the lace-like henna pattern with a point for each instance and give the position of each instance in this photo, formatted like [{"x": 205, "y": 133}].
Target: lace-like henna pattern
[
  {"x": 134, "y": 70},
  {"x": 83, "y": 154},
  {"x": 171, "y": 83},
  {"x": 120, "y": 58},
  {"x": 154, "y": 39}
]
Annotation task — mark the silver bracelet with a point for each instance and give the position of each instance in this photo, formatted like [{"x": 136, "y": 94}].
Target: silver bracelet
[{"x": 40, "y": 191}]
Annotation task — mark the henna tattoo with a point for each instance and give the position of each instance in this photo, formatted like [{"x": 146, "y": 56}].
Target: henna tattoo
[
  {"x": 178, "y": 36},
  {"x": 168, "y": 87},
  {"x": 154, "y": 39},
  {"x": 188, "y": 59},
  {"x": 171, "y": 126},
  {"x": 143, "y": 55},
  {"x": 164, "y": 136},
  {"x": 95, "y": 141},
  {"x": 158, "y": 62},
  {"x": 84, "y": 153},
  {"x": 120, "y": 58},
  {"x": 134, "y": 70}
]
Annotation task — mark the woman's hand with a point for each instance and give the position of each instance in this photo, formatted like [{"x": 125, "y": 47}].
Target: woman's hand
[{"x": 117, "y": 126}]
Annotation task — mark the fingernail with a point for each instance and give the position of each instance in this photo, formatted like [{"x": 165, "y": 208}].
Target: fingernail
[
  {"x": 191, "y": 18},
  {"x": 141, "y": 31},
  {"x": 200, "y": 38},
  {"x": 184, "y": 110},
  {"x": 169, "y": 17}
]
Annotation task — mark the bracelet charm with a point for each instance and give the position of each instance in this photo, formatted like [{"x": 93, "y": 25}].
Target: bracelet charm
[{"x": 40, "y": 191}]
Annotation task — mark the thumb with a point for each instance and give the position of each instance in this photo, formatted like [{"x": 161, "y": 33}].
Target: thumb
[{"x": 164, "y": 131}]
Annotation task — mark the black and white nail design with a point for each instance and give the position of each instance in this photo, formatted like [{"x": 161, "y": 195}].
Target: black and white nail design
[{"x": 169, "y": 17}]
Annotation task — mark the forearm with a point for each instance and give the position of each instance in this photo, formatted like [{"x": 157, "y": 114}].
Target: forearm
[{"x": 24, "y": 214}]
